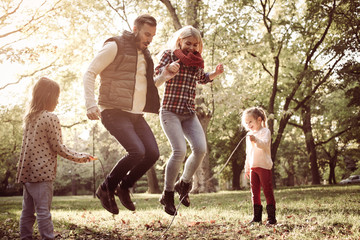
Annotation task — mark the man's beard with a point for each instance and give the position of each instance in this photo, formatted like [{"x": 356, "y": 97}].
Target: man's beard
[{"x": 138, "y": 42}]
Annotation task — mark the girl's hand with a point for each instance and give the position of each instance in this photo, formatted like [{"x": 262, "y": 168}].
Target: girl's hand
[
  {"x": 252, "y": 138},
  {"x": 247, "y": 175},
  {"x": 219, "y": 69},
  {"x": 91, "y": 158}
]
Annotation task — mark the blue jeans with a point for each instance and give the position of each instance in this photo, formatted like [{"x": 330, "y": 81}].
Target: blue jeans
[
  {"x": 37, "y": 199},
  {"x": 178, "y": 129},
  {"x": 135, "y": 135}
]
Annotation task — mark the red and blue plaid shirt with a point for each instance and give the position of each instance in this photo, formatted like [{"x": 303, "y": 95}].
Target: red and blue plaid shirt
[{"x": 180, "y": 91}]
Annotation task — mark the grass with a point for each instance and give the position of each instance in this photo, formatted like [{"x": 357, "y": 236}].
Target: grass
[{"x": 313, "y": 212}]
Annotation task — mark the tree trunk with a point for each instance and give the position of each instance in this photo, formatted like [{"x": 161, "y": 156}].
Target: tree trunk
[
  {"x": 203, "y": 173},
  {"x": 172, "y": 11},
  {"x": 236, "y": 169},
  {"x": 191, "y": 13},
  {"x": 332, "y": 165},
  {"x": 74, "y": 184},
  {"x": 5, "y": 182},
  {"x": 153, "y": 184},
  {"x": 310, "y": 144},
  {"x": 238, "y": 162}
]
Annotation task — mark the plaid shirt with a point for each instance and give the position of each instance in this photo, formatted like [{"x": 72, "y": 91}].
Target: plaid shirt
[{"x": 180, "y": 91}]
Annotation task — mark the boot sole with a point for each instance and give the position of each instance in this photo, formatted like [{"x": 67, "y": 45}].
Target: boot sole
[
  {"x": 177, "y": 189},
  {"x": 130, "y": 206},
  {"x": 166, "y": 210},
  {"x": 115, "y": 213}
]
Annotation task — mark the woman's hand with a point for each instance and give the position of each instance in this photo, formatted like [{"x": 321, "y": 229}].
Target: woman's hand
[
  {"x": 219, "y": 69},
  {"x": 174, "y": 66}
]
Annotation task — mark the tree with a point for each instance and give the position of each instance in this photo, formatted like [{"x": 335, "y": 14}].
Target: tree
[
  {"x": 11, "y": 140},
  {"x": 289, "y": 50}
]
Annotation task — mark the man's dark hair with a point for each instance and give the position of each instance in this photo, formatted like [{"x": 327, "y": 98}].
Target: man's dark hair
[{"x": 145, "y": 18}]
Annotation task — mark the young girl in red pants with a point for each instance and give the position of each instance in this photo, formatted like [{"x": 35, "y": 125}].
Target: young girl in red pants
[{"x": 258, "y": 162}]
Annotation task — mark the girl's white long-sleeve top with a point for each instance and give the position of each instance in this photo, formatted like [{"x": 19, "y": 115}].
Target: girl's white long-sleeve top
[{"x": 258, "y": 154}]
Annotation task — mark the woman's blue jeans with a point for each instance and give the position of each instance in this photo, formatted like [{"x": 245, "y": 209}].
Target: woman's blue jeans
[
  {"x": 134, "y": 134},
  {"x": 179, "y": 129}
]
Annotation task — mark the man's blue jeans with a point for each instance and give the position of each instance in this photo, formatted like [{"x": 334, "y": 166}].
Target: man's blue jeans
[{"x": 134, "y": 134}]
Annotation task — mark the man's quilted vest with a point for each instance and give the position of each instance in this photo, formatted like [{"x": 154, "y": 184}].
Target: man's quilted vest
[{"x": 117, "y": 84}]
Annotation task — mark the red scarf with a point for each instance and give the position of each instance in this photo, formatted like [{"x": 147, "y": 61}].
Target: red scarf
[{"x": 191, "y": 59}]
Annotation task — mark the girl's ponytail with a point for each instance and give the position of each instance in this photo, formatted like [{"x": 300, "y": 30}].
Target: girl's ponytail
[{"x": 262, "y": 114}]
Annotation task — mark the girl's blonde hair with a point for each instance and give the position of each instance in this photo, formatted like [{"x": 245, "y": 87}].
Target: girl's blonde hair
[
  {"x": 182, "y": 33},
  {"x": 255, "y": 112},
  {"x": 45, "y": 95}
]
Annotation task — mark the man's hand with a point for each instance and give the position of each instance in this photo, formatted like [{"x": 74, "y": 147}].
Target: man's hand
[{"x": 93, "y": 113}]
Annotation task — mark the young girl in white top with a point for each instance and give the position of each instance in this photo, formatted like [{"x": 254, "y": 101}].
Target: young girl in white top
[
  {"x": 258, "y": 162},
  {"x": 41, "y": 144}
]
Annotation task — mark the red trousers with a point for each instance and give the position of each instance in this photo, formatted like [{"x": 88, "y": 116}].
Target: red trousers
[{"x": 261, "y": 178}]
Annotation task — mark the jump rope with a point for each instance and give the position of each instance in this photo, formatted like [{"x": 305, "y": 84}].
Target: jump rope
[{"x": 206, "y": 181}]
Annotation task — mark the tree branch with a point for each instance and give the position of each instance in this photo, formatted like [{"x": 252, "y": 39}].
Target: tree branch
[
  {"x": 317, "y": 45},
  {"x": 28, "y": 75},
  {"x": 334, "y": 136},
  {"x": 3, "y": 17},
  {"x": 74, "y": 124},
  {"x": 123, "y": 10},
  {"x": 172, "y": 11},
  {"x": 33, "y": 19},
  {"x": 262, "y": 63},
  {"x": 295, "y": 125},
  {"x": 325, "y": 78}
]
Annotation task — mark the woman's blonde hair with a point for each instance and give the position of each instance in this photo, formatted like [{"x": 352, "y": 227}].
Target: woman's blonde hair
[
  {"x": 182, "y": 33},
  {"x": 45, "y": 95},
  {"x": 255, "y": 112}
]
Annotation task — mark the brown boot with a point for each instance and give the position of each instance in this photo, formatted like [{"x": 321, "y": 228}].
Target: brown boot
[
  {"x": 107, "y": 200},
  {"x": 124, "y": 196},
  {"x": 167, "y": 199},
  {"x": 257, "y": 214},
  {"x": 271, "y": 214},
  {"x": 183, "y": 190}
]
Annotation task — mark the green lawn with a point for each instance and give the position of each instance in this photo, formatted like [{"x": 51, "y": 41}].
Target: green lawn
[{"x": 314, "y": 212}]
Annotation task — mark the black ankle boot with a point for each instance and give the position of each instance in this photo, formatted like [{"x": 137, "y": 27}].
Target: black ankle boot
[
  {"x": 167, "y": 199},
  {"x": 271, "y": 214},
  {"x": 257, "y": 214},
  {"x": 183, "y": 189}
]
